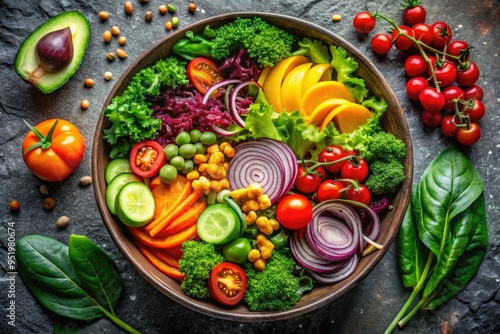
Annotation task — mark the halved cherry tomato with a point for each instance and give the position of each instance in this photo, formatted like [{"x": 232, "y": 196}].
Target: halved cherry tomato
[
  {"x": 203, "y": 73},
  {"x": 294, "y": 211},
  {"x": 147, "y": 158},
  {"x": 227, "y": 283},
  {"x": 53, "y": 149}
]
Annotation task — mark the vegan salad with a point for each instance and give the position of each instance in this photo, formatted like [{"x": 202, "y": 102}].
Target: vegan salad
[{"x": 251, "y": 165}]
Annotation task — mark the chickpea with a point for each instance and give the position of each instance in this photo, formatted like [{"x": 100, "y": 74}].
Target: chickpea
[
  {"x": 106, "y": 36},
  {"x": 85, "y": 104}
]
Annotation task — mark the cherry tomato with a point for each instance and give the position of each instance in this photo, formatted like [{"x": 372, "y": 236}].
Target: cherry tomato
[
  {"x": 414, "y": 86},
  {"x": 445, "y": 72},
  {"x": 351, "y": 170},
  {"x": 294, "y": 211},
  {"x": 451, "y": 93},
  {"x": 362, "y": 194},
  {"x": 308, "y": 182},
  {"x": 203, "y": 73},
  {"x": 147, "y": 158},
  {"x": 469, "y": 136},
  {"x": 330, "y": 154},
  {"x": 402, "y": 42},
  {"x": 381, "y": 44},
  {"x": 447, "y": 127},
  {"x": 414, "y": 15},
  {"x": 442, "y": 34},
  {"x": 431, "y": 99},
  {"x": 423, "y": 32},
  {"x": 227, "y": 283},
  {"x": 330, "y": 189},
  {"x": 458, "y": 48},
  {"x": 364, "y": 22},
  {"x": 476, "y": 111},
  {"x": 469, "y": 76},
  {"x": 55, "y": 151},
  {"x": 415, "y": 65},
  {"x": 431, "y": 118},
  {"x": 474, "y": 92}
]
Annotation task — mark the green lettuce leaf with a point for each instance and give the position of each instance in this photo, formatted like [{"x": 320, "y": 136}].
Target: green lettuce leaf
[
  {"x": 313, "y": 49},
  {"x": 345, "y": 66}
]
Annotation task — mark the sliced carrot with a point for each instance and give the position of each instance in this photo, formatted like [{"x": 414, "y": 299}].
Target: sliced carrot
[
  {"x": 161, "y": 193},
  {"x": 186, "y": 219},
  {"x": 155, "y": 182},
  {"x": 165, "y": 220},
  {"x": 178, "y": 191},
  {"x": 163, "y": 242},
  {"x": 168, "y": 270},
  {"x": 165, "y": 257}
]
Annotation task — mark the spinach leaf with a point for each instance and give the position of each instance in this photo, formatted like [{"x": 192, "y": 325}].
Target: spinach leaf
[
  {"x": 411, "y": 254},
  {"x": 78, "y": 282},
  {"x": 469, "y": 263},
  {"x": 447, "y": 187}
]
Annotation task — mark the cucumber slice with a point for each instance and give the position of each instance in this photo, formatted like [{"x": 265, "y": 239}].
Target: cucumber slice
[
  {"x": 115, "y": 167},
  {"x": 218, "y": 224},
  {"x": 135, "y": 204},
  {"x": 115, "y": 186}
]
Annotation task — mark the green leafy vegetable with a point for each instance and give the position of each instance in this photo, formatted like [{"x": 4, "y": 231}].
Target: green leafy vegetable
[
  {"x": 345, "y": 67},
  {"x": 193, "y": 46},
  {"x": 448, "y": 211},
  {"x": 79, "y": 282},
  {"x": 130, "y": 113},
  {"x": 313, "y": 49}
]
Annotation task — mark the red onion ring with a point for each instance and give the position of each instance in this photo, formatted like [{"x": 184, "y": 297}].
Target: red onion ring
[
  {"x": 216, "y": 86},
  {"x": 233, "y": 108}
]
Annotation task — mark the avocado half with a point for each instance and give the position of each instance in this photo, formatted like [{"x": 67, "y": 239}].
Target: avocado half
[{"x": 25, "y": 63}]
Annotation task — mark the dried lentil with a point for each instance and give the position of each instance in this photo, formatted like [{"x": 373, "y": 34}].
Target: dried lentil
[
  {"x": 115, "y": 30},
  {"x": 148, "y": 16},
  {"x": 122, "y": 40},
  {"x": 107, "y": 36},
  {"x": 122, "y": 54},
  {"x": 103, "y": 16},
  {"x": 48, "y": 203},
  {"x": 44, "y": 190}
]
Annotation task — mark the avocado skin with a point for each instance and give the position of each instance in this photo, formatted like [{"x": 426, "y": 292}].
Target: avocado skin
[{"x": 25, "y": 62}]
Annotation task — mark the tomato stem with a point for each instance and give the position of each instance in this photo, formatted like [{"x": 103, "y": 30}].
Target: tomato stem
[{"x": 45, "y": 141}]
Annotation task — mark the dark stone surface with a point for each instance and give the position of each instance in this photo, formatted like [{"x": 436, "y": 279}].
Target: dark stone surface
[{"x": 370, "y": 306}]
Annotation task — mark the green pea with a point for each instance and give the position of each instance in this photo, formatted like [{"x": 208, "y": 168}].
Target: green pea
[
  {"x": 182, "y": 138},
  {"x": 177, "y": 162},
  {"x": 187, "y": 151},
  {"x": 200, "y": 148},
  {"x": 195, "y": 135},
  {"x": 208, "y": 138},
  {"x": 168, "y": 173},
  {"x": 188, "y": 166},
  {"x": 171, "y": 150}
]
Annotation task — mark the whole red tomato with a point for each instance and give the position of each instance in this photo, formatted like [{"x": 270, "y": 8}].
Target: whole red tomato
[
  {"x": 361, "y": 194},
  {"x": 469, "y": 76},
  {"x": 414, "y": 86},
  {"x": 53, "y": 149},
  {"x": 381, "y": 44},
  {"x": 445, "y": 71},
  {"x": 474, "y": 92},
  {"x": 355, "y": 170},
  {"x": 431, "y": 118},
  {"x": 474, "y": 109},
  {"x": 442, "y": 34},
  {"x": 447, "y": 127},
  {"x": 469, "y": 136},
  {"x": 414, "y": 15},
  {"x": 458, "y": 48},
  {"x": 364, "y": 22},
  {"x": 451, "y": 93},
  {"x": 332, "y": 153},
  {"x": 330, "y": 189},
  {"x": 402, "y": 42},
  {"x": 423, "y": 32},
  {"x": 294, "y": 211},
  {"x": 308, "y": 182},
  {"x": 415, "y": 65},
  {"x": 431, "y": 99}
]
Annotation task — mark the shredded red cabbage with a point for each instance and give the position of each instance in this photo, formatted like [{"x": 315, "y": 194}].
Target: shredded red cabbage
[{"x": 240, "y": 66}]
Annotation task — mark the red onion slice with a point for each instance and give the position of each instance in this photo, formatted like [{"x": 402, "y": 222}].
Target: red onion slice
[
  {"x": 233, "y": 108},
  {"x": 337, "y": 276},
  {"x": 216, "y": 86}
]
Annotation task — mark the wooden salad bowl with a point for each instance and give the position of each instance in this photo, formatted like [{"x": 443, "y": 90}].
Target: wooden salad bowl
[{"x": 393, "y": 121}]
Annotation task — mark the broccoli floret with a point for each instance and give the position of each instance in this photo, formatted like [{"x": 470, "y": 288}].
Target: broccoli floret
[
  {"x": 386, "y": 147},
  {"x": 267, "y": 43},
  {"x": 198, "y": 259},
  {"x": 276, "y": 287},
  {"x": 385, "y": 177}
]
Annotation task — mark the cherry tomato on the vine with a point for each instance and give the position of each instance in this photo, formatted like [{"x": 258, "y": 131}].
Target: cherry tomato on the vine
[
  {"x": 414, "y": 86},
  {"x": 458, "y": 48},
  {"x": 308, "y": 182},
  {"x": 415, "y": 65},
  {"x": 364, "y": 22},
  {"x": 469, "y": 76},
  {"x": 431, "y": 118},
  {"x": 469, "y": 136},
  {"x": 362, "y": 194},
  {"x": 330, "y": 189},
  {"x": 451, "y": 93},
  {"x": 447, "y": 127},
  {"x": 442, "y": 34},
  {"x": 355, "y": 171},
  {"x": 381, "y": 44},
  {"x": 332, "y": 153},
  {"x": 445, "y": 71},
  {"x": 473, "y": 92},
  {"x": 414, "y": 15},
  {"x": 431, "y": 99},
  {"x": 294, "y": 211},
  {"x": 423, "y": 32},
  {"x": 476, "y": 111},
  {"x": 402, "y": 42}
]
